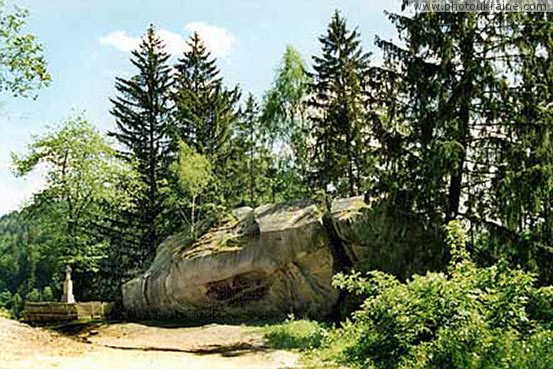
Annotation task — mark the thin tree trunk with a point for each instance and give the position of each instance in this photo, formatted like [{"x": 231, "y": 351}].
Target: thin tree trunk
[
  {"x": 456, "y": 180},
  {"x": 193, "y": 217}
]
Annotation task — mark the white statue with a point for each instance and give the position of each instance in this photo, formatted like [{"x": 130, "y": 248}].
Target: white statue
[{"x": 68, "y": 287}]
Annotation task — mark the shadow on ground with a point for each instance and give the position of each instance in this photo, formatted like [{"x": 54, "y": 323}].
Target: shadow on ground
[{"x": 233, "y": 350}]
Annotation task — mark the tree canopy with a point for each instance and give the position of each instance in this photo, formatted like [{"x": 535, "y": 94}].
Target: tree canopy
[{"x": 22, "y": 63}]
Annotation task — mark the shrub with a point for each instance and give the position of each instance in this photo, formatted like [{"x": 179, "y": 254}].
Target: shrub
[
  {"x": 5, "y": 313},
  {"x": 47, "y": 294},
  {"x": 33, "y": 295},
  {"x": 17, "y": 305},
  {"x": 469, "y": 317},
  {"x": 295, "y": 334},
  {"x": 5, "y": 299}
]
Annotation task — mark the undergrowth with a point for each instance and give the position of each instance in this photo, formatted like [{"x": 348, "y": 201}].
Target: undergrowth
[
  {"x": 294, "y": 334},
  {"x": 468, "y": 317}
]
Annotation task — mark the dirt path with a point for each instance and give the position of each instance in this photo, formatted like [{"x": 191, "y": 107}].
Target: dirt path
[{"x": 136, "y": 346}]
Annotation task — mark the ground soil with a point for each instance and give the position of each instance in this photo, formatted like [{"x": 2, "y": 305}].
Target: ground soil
[{"x": 139, "y": 346}]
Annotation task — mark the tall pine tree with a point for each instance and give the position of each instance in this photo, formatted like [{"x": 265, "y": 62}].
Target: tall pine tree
[
  {"x": 471, "y": 91},
  {"x": 205, "y": 109},
  {"x": 448, "y": 98},
  {"x": 523, "y": 183},
  {"x": 205, "y": 112},
  {"x": 142, "y": 111},
  {"x": 339, "y": 96}
]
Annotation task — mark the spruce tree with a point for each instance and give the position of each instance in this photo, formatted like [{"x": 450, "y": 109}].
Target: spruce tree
[
  {"x": 339, "y": 95},
  {"x": 523, "y": 184},
  {"x": 448, "y": 97},
  {"x": 205, "y": 109},
  {"x": 142, "y": 112},
  {"x": 473, "y": 92},
  {"x": 205, "y": 114}
]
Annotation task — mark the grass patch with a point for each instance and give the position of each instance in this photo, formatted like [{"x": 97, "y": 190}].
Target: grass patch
[
  {"x": 5, "y": 313},
  {"x": 302, "y": 335}
]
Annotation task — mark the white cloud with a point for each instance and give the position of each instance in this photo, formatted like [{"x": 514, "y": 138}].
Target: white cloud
[
  {"x": 120, "y": 41},
  {"x": 218, "y": 40},
  {"x": 175, "y": 44}
]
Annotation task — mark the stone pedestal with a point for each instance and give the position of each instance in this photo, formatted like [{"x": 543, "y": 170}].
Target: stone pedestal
[{"x": 51, "y": 312}]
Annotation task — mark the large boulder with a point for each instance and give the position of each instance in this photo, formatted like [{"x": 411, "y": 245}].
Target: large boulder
[
  {"x": 265, "y": 262},
  {"x": 279, "y": 259},
  {"x": 377, "y": 236}
]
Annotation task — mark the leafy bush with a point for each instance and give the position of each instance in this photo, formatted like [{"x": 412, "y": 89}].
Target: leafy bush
[
  {"x": 5, "y": 313},
  {"x": 47, "y": 294},
  {"x": 540, "y": 306},
  {"x": 17, "y": 305},
  {"x": 469, "y": 317},
  {"x": 5, "y": 299},
  {"x": 295, "y": 334},
  {"x": 33, "y": 295}
]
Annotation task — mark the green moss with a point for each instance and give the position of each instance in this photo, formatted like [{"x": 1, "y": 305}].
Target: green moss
[{"x": 226, "y": 237}]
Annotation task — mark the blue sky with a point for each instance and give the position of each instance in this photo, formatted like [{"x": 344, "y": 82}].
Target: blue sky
[{"x": 87, "y": 42}]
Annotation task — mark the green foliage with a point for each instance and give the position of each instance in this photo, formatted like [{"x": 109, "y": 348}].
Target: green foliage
[
  {"x": 284, "y": 128},
  {"x": 260, "y": 171},
  {"x": 33, "y": 296},
  {"x": 194, "y": 170},
  {"x": 81, "y": 166},
  {"x": 284, "y": 103},
  {"x": 456, "y": 240},
  {"x": 28, "y": 252},
  {"x": 194, "y": 175},
  {"x": 82, "y": 175},
  {"x": 17, "y": 305},
  {"x": 85, "y": 180},
  {"x": 339, "y": 94},
  {"x": 295, "y": 334},
  {"x": 455, "y": 124},
  {"x": 463, "y": 126},
  {"x": 205, "y": 109},
  {"x": 204, "y": 116},
  {"x": 523, "y": 187},
  {"x": 142, "y": 112},
  {"x": 249, "y": 161},
  {"x": 22, "y": 64},
  {"x": 469, "y": 318},
  {"x": 5, "y": 299},
  {"x": 47, "y": 294},
  {"x": 5, "y": 314}
]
